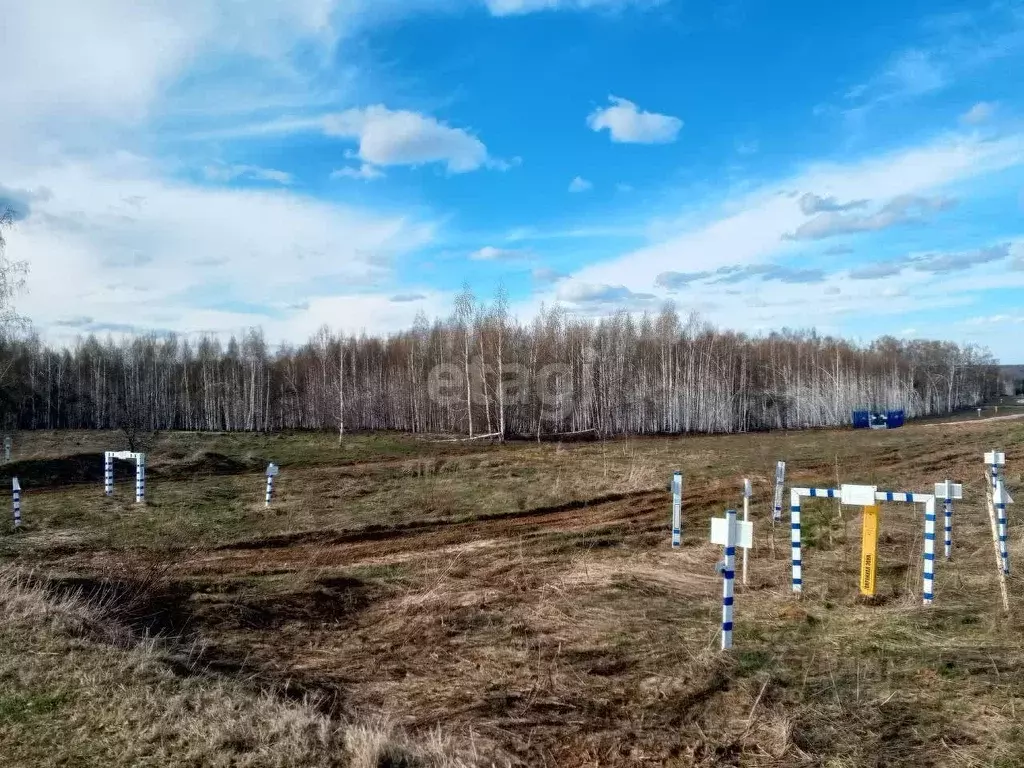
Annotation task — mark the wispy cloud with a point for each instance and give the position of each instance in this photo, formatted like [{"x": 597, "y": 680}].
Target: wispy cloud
[
  {"x": 979, "y": 113},
  {"x": 751, "y": 228},
  {"x": 940, "y": 263},
  {"x": 601, "y": 297},
  {"x": 490, "y": 253},
  {"x": 224, "y": 173},
  {"x": 546, "y": 275},
  {"x": 904, "y": 209},
  {"x": 739, "y": 273},
  {"x": 811, "y": 204},
  {"x": 18, "y": 202},
  {"x": 516, "y": 7},
  {"x": 951, "y": 47},
  {"x": 913, "y": 72},
  {"x": 364, "y": 172},
  {"x": 579, "y": 184},
  {"x": 837, "y": 250},
  {"x": 628, "y": 124},
  {"x": 385, "y": 137},
  {"x": 98, "y": 252}
]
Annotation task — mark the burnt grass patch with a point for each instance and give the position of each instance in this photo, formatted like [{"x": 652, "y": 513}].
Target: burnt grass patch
[
  {"x": 82, "y": 468},
  {"x": 194, "y": 634}
]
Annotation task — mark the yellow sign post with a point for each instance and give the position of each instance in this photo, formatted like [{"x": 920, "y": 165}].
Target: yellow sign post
[{"x": 869, "y": 550}]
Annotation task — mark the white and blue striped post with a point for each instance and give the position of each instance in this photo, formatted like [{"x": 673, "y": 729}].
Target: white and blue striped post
[
  {"x": 747, "y": 493},
  {"x": 1000, "y": 498},
  {"x": 794, "y": 526},
  {"x": 947, "y": 511},
  {"x": 954, "y": 491},
  {"x": 677, "y": 509},
  {"x": 947, "y": 508},
  {"x": 947, "y": 490},
  {"x": 780, "y": 481},
  {"x": 994, "y": 460},
  {"x": 728, "y": 579},
  {"x": 272, "y": 471},
  {"x": 16, "y": 498},
  {"x": 140, "y": 478},
  {"x": 928, "y": 585},
  {"x": 108, "y": 473}
]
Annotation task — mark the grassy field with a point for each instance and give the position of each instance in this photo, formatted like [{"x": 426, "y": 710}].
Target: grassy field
[{"x": 407, "y": 601}]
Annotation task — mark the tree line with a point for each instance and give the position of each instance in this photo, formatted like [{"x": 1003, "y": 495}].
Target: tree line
[{"x": 480, "y": 372}]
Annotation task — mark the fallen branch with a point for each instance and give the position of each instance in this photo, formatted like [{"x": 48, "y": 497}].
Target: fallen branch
[{"x": 464, "y": 439}]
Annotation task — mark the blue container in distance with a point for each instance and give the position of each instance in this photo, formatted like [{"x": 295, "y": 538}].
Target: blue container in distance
[{"x": 861, "y": 419}]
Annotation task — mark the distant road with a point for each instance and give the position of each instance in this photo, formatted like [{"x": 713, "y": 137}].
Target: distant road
[{"x": 977, "y": 421}]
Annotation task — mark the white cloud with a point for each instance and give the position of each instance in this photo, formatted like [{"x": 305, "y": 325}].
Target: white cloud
[
  {"x": 514, "y": 7},
  {"x": 751, "y": 229},
  {"x": 117, "y": 244},
  {"x": 628, "y": 124},
  {"x": 915, "y": 72},
  {"x": 1001, "y": 319},
  {"x": 579, "y": 184},
  {"x": 811, "y": 204},
  {"x": 490, "y": 253},
  {"x": 979, "y": 113},
  {"x": 399, "y": 137},
  {"x": 603, "y": 298},
  {"x": 546, "y": 275},
  {"x": 82, "y": 68},
  {"x": 366, "y": 172},
  {"x": 232, "y": 172},
  {"x": 831, "y": 221}
]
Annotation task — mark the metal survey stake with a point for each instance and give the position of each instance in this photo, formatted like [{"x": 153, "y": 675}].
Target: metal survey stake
[
  {"x": 747, "y": 493},
  {"x": 16, "y": 498},
  {"x": 677, "y": 509},
  {"x": 948, "y": 491},
  {"x": 780, "y": 481},
  {"x": 730, "y": 533},
  {"x": 272, "y": 472}
]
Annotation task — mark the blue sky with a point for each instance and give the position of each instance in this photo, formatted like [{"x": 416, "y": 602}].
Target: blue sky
[{"x": 206, "y": 166}]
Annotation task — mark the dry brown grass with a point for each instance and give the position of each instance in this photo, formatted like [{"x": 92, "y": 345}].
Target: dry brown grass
[
  {"x": 523, "y": 600},
  {"x": 80, "y": 689}
]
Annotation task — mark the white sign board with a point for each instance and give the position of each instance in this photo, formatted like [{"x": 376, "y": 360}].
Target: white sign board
[
  {"x": 949, "y": 490},
  {"x": 1001, "y": 496},
  {"x": 858, "y": 495},
  {"x": 747, "y": 491},
  {"x": 720, "y": 532},
  {"x": 272, "y": 470},
  {"x": 995, "y": 457}
]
